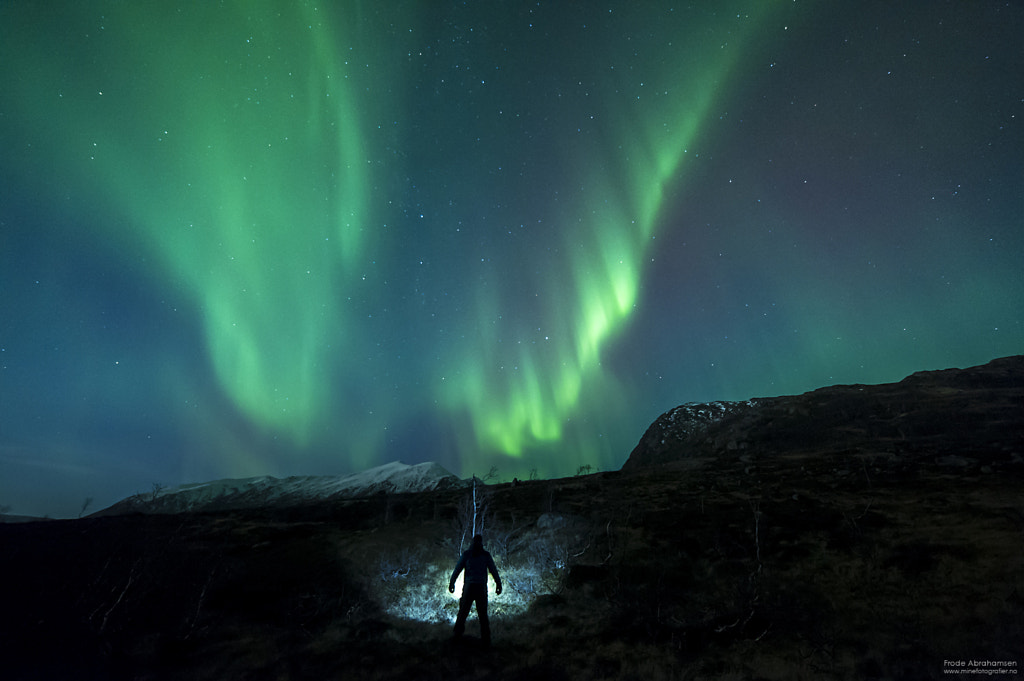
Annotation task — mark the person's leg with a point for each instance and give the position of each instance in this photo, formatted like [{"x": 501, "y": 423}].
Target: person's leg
[
  {"x": 481, "y": 612},
  {"x": 464, "y": 605}
]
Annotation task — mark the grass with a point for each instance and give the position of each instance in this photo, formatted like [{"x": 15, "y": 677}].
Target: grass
[{"x": 703, "y": 570}]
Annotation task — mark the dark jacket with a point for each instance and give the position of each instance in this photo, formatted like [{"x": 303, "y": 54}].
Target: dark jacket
[{"x": 477, "y": 562}]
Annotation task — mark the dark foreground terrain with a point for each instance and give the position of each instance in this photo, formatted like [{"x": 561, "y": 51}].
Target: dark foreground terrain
[{"x": 856, "y": 532}]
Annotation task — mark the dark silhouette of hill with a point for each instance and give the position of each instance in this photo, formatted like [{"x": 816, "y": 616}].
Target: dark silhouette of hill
[
  {"x": 973, "y": 413},
  {"x": 868, "y": 532}
]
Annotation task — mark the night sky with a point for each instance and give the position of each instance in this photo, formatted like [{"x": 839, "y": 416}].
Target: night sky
[{"x": 304, "y": 238}]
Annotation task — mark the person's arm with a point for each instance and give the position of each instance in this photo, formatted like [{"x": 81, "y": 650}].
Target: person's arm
[
  {"x": 455, "y": 575},
  {"x": 493, "y": 569}
]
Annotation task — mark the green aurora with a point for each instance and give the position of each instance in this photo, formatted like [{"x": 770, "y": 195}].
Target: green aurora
[{"x": 412, "y": 233}]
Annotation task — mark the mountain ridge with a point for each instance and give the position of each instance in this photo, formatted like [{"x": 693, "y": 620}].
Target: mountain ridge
[
  {"x": 232, "y": 494},
  {"x": 949, "y": 412}
]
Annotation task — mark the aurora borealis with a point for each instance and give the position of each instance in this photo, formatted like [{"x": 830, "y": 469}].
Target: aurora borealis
[{"x": 258, "y": 238}]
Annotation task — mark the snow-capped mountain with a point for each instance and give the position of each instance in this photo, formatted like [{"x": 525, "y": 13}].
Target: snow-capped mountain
[{"x": 267, "y": 491}]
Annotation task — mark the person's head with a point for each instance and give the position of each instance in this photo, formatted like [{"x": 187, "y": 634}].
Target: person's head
[{"x": 478, "y": 542}]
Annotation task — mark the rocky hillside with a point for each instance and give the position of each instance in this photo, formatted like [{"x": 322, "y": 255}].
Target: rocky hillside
[
  {"x": 967, "y": 418},
  {"x": 855, "y": 532}
]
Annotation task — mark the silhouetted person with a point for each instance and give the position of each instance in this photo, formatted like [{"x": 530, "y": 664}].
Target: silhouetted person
[{"x": 477, "y": 564}]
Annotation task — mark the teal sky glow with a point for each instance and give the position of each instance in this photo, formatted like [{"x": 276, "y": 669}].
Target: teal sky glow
[{"x": 251, "y": 238}]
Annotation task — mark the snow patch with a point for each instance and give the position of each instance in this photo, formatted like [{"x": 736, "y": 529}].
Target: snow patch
[{"x": 266, "y": 491}]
